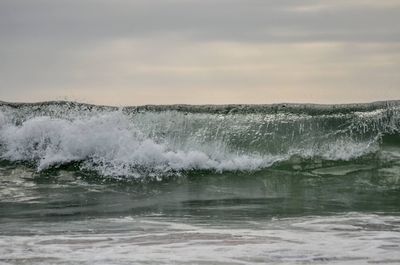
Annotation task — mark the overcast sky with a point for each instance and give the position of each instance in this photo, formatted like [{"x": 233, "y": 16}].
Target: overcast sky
[{"x": 134, "y": 52}]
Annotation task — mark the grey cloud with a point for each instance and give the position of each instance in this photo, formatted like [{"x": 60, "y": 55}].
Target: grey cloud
[
  {"x": 218, "y": 20},
  {"x": 240, "y": 49}
]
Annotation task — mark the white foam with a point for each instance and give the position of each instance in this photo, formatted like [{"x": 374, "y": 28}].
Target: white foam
[
  {"x": 338, "y": 239},
  {"x": 111, "y": 144},
  {"x": 115, "y": 144}
]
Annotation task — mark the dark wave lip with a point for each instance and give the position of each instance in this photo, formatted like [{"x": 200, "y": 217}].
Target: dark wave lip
[{"x": 306, "y": 108}]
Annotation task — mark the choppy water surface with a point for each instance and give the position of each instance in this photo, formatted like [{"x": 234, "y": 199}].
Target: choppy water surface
[{"x": 280, "y": 184}]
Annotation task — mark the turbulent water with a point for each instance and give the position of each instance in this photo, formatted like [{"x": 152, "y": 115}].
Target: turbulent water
[{"x": 235, "y": 184}]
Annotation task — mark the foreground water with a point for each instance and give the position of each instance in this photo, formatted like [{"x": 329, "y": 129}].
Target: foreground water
[{"x": 83, "y": 184}]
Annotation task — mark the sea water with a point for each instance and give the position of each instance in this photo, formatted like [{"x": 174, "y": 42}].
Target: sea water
[{"x": 238, "y": 184}]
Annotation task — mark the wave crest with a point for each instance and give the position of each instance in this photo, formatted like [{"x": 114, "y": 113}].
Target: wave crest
[{"x": 152, "y": 143}]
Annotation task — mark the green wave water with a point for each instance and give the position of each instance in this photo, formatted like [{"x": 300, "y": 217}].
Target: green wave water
[{"x": 137, "y": 142}]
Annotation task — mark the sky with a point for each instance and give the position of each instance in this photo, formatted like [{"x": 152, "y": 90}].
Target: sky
[{"x": 136, "y": 52}]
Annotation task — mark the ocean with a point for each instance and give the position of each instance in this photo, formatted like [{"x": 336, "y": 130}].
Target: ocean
[{"x": 181, "y": 184}]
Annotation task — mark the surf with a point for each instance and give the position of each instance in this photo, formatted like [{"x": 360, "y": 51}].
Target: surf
[{"x": 156, "y": 141}]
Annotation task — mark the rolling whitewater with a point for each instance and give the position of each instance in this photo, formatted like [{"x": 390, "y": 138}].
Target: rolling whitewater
[{"x": 181, "y": 184}]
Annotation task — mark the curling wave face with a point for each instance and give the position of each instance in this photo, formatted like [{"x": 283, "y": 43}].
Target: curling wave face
[{"x": 136, "y": 142}]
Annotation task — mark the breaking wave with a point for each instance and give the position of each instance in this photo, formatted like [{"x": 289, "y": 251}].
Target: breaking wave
[{"x": 135, "y": 142}]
